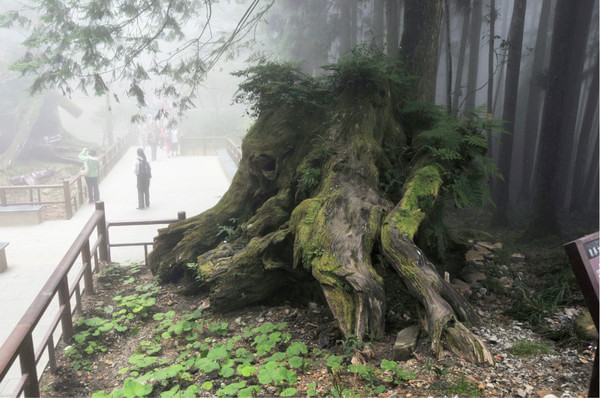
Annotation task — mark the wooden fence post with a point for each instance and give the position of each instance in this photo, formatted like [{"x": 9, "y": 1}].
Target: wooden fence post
[
  {"x": 64, "y": 299},
  {"x": 27, "y": 360},
  {"x": 103, "y": 247},
  {"x": 67, "y": 190},
  {"x": 80, "y": 190},
  {"x": 86, "y": 259}
]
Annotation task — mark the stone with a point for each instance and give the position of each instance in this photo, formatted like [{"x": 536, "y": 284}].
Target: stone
[
  {"x": 473, "y": 255},
  {"x": 406, "y": 342},
  {"x": 517, "y": 258},
  {"x": 584, "y": 326},
  {"x": 472, "y": 276},
  {"x": 462, "y": 286}
]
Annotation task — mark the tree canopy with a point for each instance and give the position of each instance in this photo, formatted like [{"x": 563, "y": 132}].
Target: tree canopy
[{"x": 126, "y": 47}]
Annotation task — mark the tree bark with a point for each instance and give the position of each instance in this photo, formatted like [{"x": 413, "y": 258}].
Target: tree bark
[
  {"x": 443, "y": 306},
  {"x": 585, "y": 9},
  {"x": 585, "y": 138},
  {"x": 346, "y": 26},
  {"x": 448, "y": 57},
  {"x": 378, "y": 24},
  {"x": 474, "y": 43},
  {"x": 324, "y": 235},
  {"x": 513, "y": 67},
  {"x": 307, "y": 208},
  {"x": 534, "y": 102},
  {"x": 464, "y": 35},
  {"x": 544, "y": 221},
  {"x": 393, "y": 27},
  {"x": 422, "y": 20},
  {"x": 491, "y": 64}
]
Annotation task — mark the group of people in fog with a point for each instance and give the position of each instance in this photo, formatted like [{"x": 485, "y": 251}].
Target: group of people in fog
[
  {"x": 151, "y": 134},
  {"x": 155, "y": 136}
]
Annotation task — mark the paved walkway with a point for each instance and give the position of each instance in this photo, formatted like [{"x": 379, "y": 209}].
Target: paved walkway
[{"x": 184, "y": 183}]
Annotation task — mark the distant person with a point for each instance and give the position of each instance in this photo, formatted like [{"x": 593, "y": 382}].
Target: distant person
[
  {"x": 90, "y": 171},
  {"x": 174, "y": 142},
  {"x": 153, "y": 141},
  {"x": 143, "y": 171}
]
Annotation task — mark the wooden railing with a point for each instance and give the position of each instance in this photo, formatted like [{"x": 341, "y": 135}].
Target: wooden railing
[
  {"x": 72, "y": 191},
  {"x": 86, "y": 249},
  {"x": 235, "y": 151},
  {"x": 203, "y": 146}
]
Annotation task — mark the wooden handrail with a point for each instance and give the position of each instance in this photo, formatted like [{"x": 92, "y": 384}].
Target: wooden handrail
[
  {"x": 71, "y": 201},
  {"x": 19, "y": 343}
]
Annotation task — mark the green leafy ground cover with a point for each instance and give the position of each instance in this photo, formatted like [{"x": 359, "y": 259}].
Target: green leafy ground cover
[{"x": 137, "y": 339}]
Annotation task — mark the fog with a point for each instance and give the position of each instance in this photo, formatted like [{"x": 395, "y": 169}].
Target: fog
[{"x": 315, "y": 33}]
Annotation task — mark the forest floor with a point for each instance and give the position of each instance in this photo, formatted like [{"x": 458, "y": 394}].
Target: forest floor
[{"x": 136, "y": 338}]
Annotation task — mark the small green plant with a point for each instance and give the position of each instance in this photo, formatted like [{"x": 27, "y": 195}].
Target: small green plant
[
  {"x": 309, "y": 179},
  {"x": 219, "y": 328},
  {"x": 532, "y": 306},
  {"x": 231, "y": 231},
  {"x": 462, "y": 387},
  {"x": 309, "y": 255},
  {"x": 370, "y": 374},
  {"x": 439, "y": 372},
  {"x": 351, "y": 344},
  {"x": 525, "y": 348},
  {"x": 131, "y": 388},
  {"x": 395, "y": 374}
]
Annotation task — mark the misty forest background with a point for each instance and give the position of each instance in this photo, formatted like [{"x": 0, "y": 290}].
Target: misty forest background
[{"x": 494, "y": 56}]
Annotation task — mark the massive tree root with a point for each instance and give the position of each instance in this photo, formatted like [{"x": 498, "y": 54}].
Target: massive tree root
[
  {"x": 306, "y": 206},
  {"x": 444, "y": 306}
]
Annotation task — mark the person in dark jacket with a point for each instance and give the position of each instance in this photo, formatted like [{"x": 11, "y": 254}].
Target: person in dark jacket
[{"x": 144, "y": 174}]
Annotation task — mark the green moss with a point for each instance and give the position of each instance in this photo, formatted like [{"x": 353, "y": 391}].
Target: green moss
[
  {"x": 343, "y": 307},
  {"x": 525, "y": 348},
  {"x": 420, "y": 190},
  {"x": 410, "y": 271},
  {"x": 205, "y": 269}
]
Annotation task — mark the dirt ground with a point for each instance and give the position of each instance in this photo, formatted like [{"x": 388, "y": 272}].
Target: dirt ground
[{"x": 562, "y": 371}]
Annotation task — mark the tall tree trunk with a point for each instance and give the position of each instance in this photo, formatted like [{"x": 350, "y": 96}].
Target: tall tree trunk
[
  {"x": 353, "y": 22},
  {"x": 491, "y": 65},
  {"x": 346, "y": 26},
  {"x": 585, "y": 9},
  {"x": 533, "y": 110},
  {"x": 474, "y": 42},
  {"x": 592, "y": 176},
  {"x": 501, "y": 74},
  {"x": 393, "y": 27},
  {"x": 378, "y": 22},
  {"x": 544, "y": 221},
  {"x": 448, "y": 58},
  {"x": 513, "y": 68},
  {"x": 420, "y": 44},
  {"x": 585, "y": 138},
  {"x": 464, "y": 35}
]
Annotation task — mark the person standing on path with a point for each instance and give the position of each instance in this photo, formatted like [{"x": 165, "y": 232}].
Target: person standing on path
[
  {"x": 174, "y": 141},
  {"x": 90, "y": 171},
  {"x": 144, "y": 174}
]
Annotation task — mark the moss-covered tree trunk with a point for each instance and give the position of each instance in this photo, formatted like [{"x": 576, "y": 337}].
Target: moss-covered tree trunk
[
  {"x": 445, "y": 308},
  {"x": 306, "y": 208}
]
